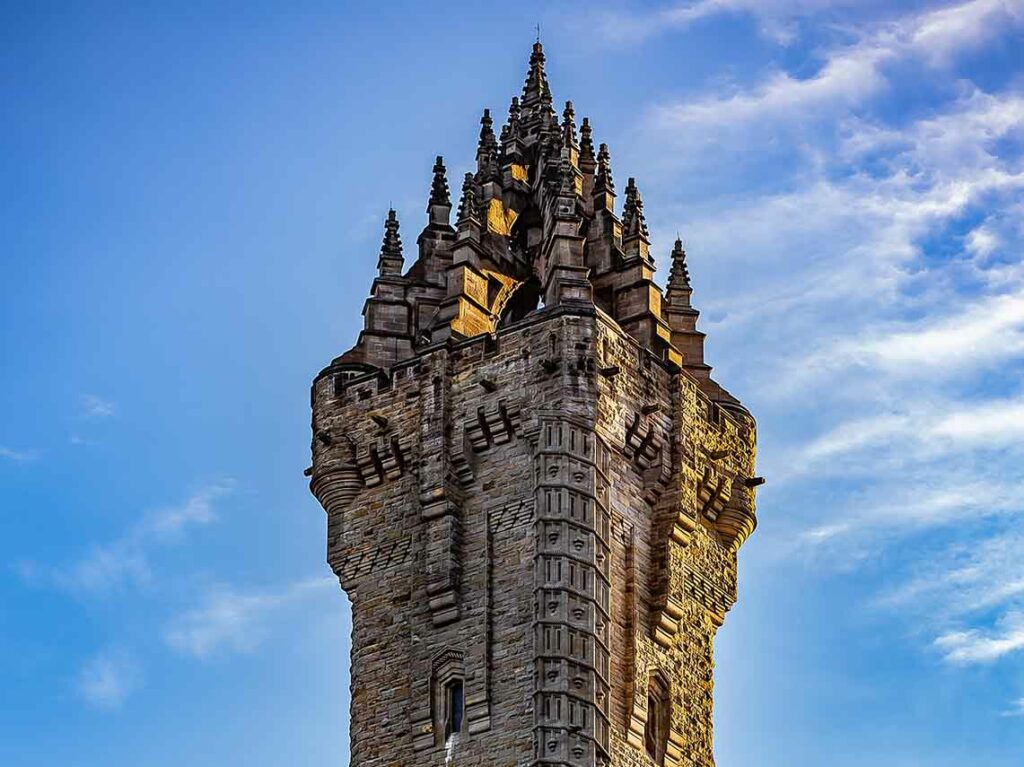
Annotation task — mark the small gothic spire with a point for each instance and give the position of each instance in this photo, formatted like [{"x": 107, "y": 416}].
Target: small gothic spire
[
  {"x": 439, "y": 194},
  {"x": 510, "y": 130},
  {"x": 391, "y": 261},
  {"x": 486, "y": 129},
  {"x": 603, "y": 182},
  {"x": 487, "y": 150},
  {"x": 468, "y": 204},
  {"x": 679, "y": 277},
  {"x": 586, "y": 142},
  {"x": 633, "y": 222},
  {"x": 569, "y": 126},
  {"x": 513, "y": 113}
]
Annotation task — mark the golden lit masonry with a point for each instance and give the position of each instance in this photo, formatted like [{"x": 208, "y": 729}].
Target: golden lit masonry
[{"x": 535, "y": 490}]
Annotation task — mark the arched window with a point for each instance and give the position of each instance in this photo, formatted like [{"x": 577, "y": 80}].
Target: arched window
[{"x": 658, "y": 714}]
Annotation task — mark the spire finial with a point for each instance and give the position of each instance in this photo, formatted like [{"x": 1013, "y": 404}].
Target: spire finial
[
  {"x": 487, "y": 149},
  {"x": 633, "y": 223},
  {"x": 586, "y": 142},
  {"x": 679, "y": 277},
  {"x": 439, "y": 194},
  {"x": 467, "y": 205},
  {"x": 603, "y": 183},
  {"x": 569, "y": 126},
  {"x": 538, "y": 33},
  {"x": 391, "y": 260}
]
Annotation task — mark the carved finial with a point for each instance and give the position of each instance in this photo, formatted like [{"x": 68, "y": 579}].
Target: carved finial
[
  {"x": 569, "y": 126},
  {"x": 391, "y": 260},
  {"x": 468, "y": 204},
  {"x": 513, "y": 113},
  {"x": 586, "y": 142},
  {"x": 603, "y": 184},
  {"x": 487, "y": 149},
  {"x": 439, "y": 194},
  {"x": 633, "y": 223},
  {"x": 679, "y": 278}
]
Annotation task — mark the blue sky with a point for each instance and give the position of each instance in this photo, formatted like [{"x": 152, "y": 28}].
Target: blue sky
[{"x": 193, "y": 204}]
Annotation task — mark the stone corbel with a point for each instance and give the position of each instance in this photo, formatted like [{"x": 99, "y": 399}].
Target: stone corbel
[
  {"x": 665, "y": 622},
  {"x": 713, "y": 492}
]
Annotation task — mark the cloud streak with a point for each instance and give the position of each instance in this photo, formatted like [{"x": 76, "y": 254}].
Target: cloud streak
[
  {"x": 96, "y": 407},
  {"x": 125, "y": 560},
  {"x": 18, "y": 456},
  {"x": 230, "y": 620},
  {"x": 849, "y": 74},
  {"x": 108, "y": 679}
]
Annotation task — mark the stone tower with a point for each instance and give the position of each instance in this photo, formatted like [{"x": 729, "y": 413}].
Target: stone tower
[{"x": 535, "y": 491}]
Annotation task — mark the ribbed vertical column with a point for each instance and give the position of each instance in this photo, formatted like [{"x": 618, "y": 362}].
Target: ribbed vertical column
[
  {"x": 572, "y": 593},
  {"x": 439, "y": 496}
]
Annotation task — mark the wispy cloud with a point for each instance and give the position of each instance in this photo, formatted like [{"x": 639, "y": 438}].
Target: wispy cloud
[
  {"x": 850, "y": 73},
  {"x": 777, "y": 19},
  {"x": 107, "y": 680},
  {"x": 976, "y": 646},
  {"x": 94, "y": 406},
  {"x": 230, "y": 620},
  {"x": 921, "y": 432},
  {"x": 873, "y": 268},
  {"x": 18, "y": 456},
  {"x": 1016, "y": 708},
  {"x": 125, "y": 560}
]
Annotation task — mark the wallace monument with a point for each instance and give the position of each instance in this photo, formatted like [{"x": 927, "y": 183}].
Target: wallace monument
[{"x": 535, "y": 490}]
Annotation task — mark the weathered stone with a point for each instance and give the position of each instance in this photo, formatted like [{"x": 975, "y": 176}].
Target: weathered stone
[{"x": 535, "y": 508}]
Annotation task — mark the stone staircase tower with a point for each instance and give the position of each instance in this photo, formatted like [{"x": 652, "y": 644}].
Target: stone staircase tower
[{"x": 535, "y": 491}]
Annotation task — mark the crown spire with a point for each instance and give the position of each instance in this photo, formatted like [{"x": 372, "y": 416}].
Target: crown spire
[
  {"x": 391, "y": 260},
  {"x": 536, "y": 88}
]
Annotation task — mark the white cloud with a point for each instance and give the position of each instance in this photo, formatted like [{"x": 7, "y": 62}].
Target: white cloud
[
  {"x": 972, "y": 577},
  {"x": 1016, "y": 708},
  {"x": 108, "y": 679},
  {"x": 776, "y": 18},
  {"x": 929, "y": 431},
  {"x": 982, "y": 241},
  {"x": 869, "y": 280},
  {"x": 849, "y": 74},
  {"x": 109, "y": 566},
  {"x": 927, "y": 503},
  {"x": 18, "y": 456},
  {"x": 233, "y": 621},
  {"x": 975, "y": 646},
  {"x": 94, "y": 406}
]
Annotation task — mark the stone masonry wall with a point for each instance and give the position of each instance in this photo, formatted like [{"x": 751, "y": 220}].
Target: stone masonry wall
[{"x": 550, "y": 514}]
